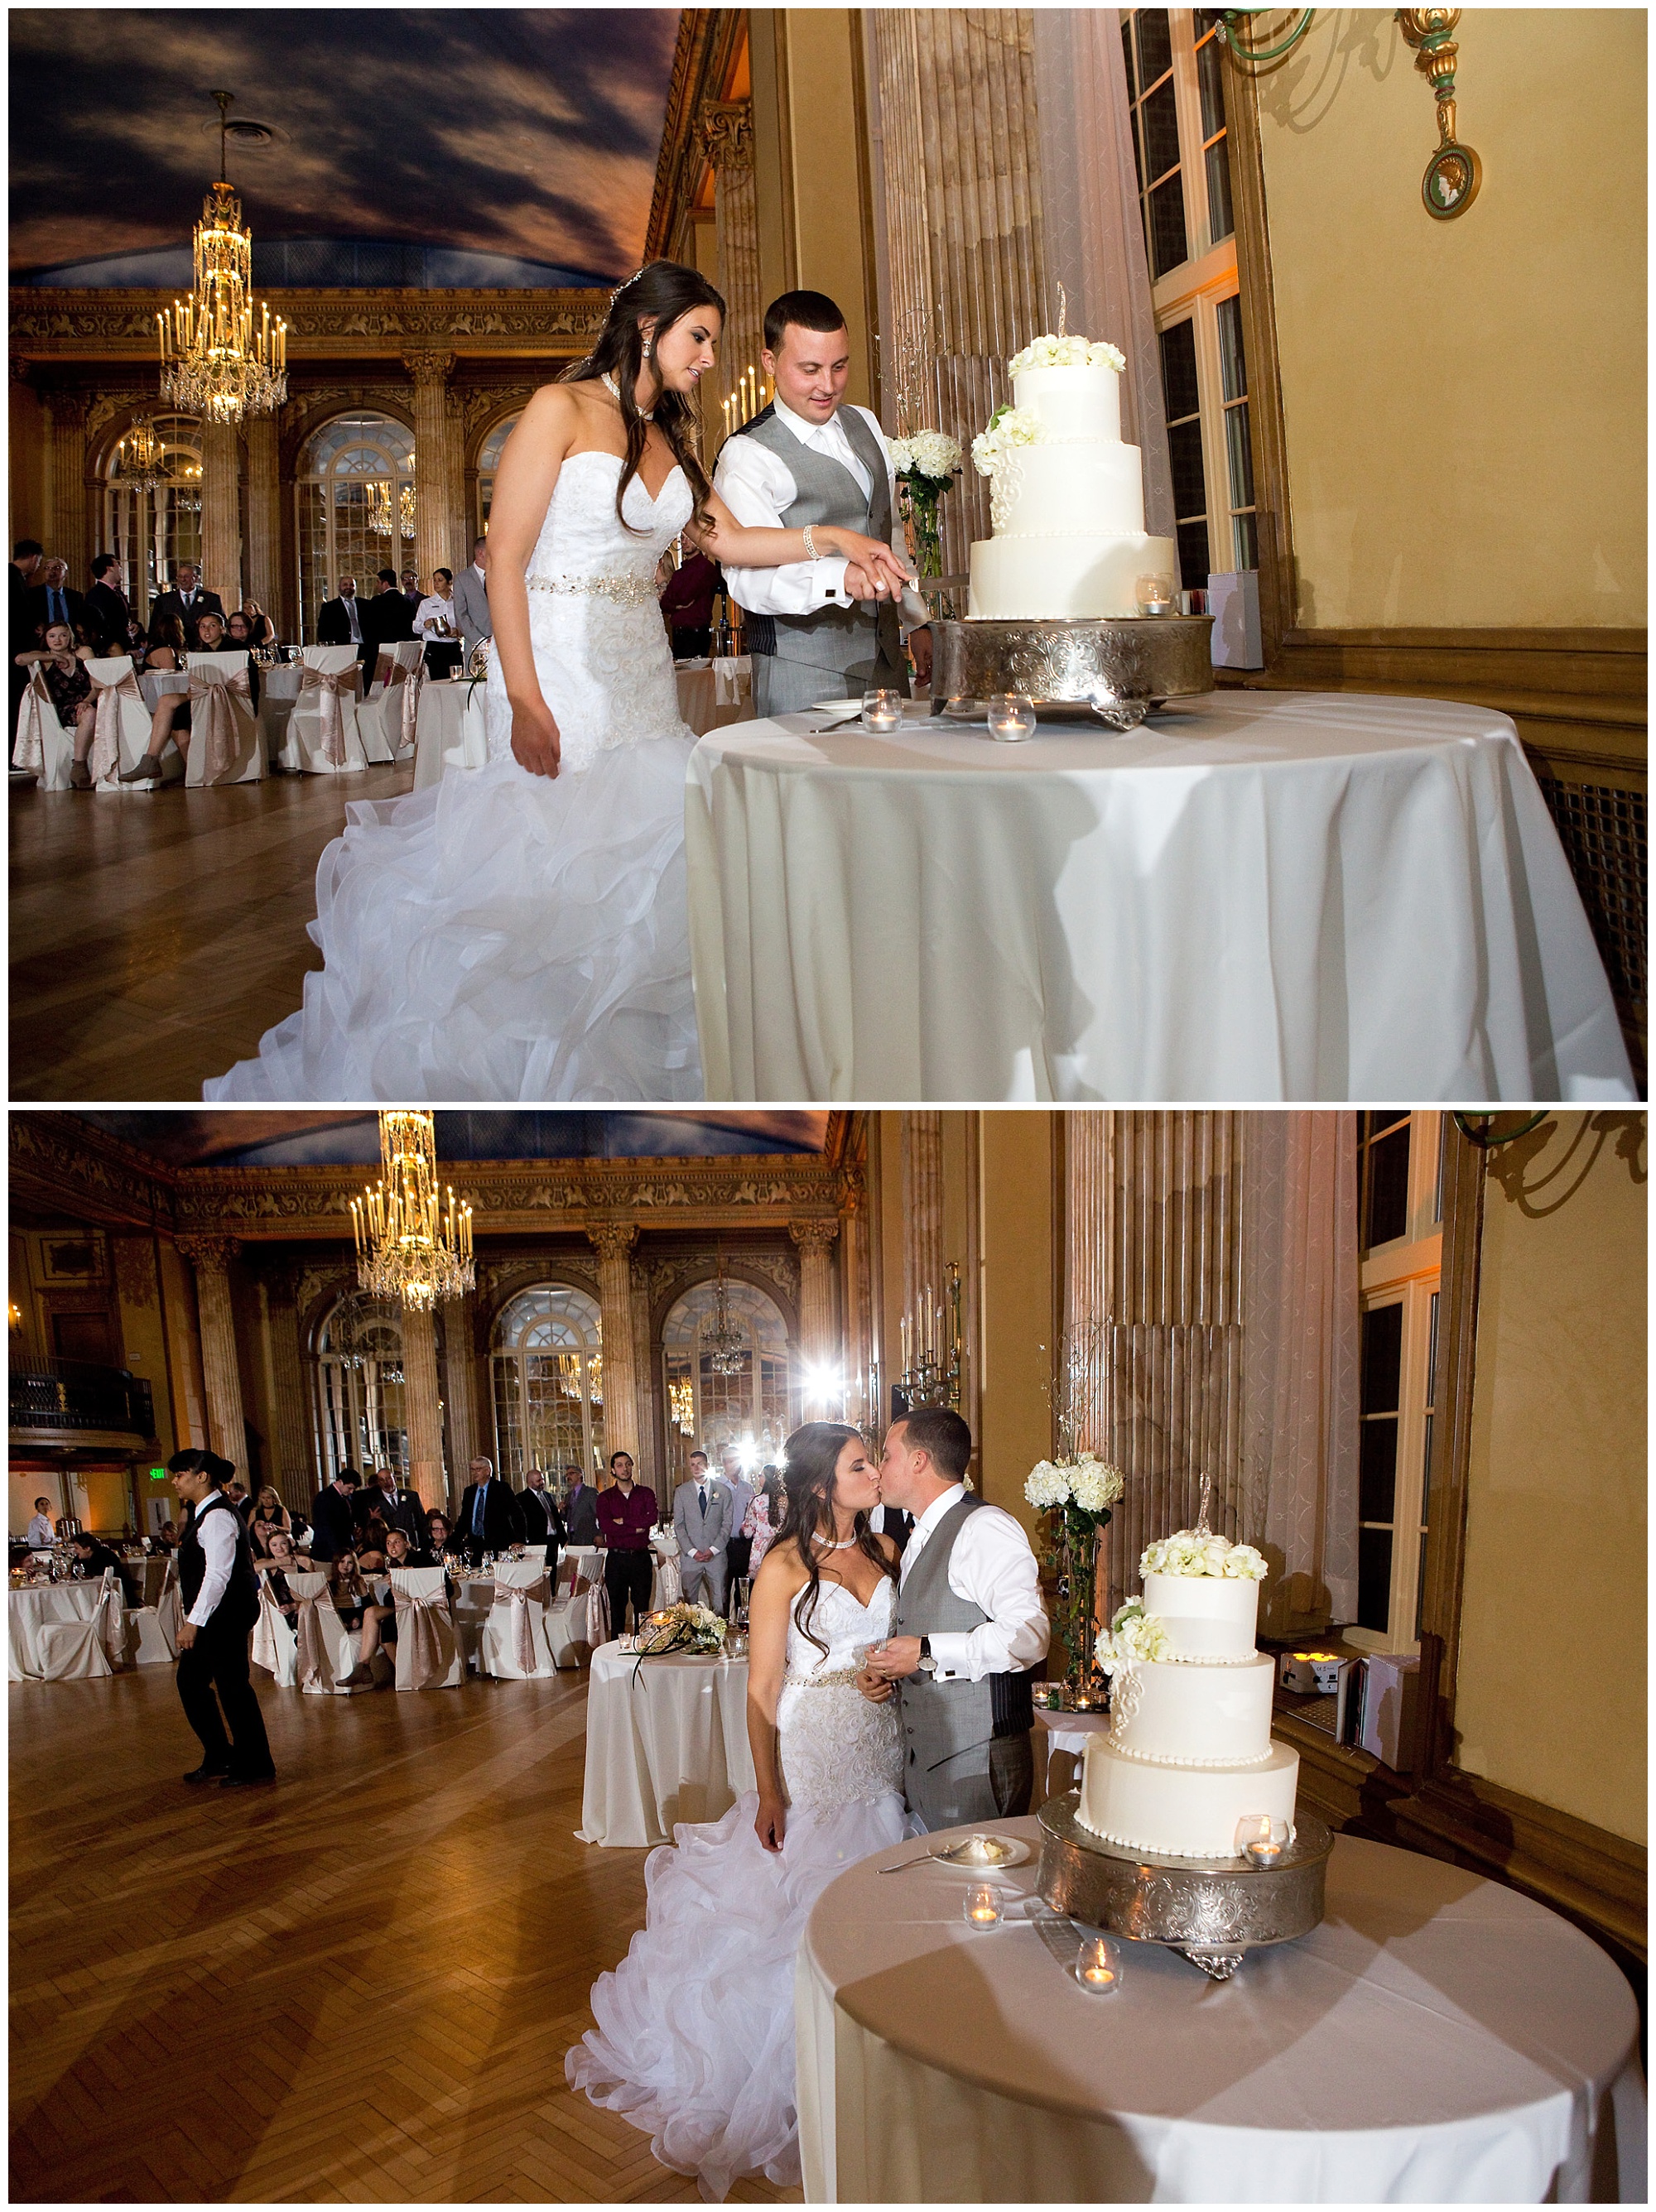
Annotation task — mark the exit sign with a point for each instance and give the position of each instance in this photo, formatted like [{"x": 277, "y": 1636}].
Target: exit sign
[{"x": 158, "y": 1474}]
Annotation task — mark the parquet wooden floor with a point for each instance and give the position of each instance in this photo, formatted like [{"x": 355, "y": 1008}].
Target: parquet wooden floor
[
  {"x": 155, "y": 938},
  {"x": 356, "y": 1987}
]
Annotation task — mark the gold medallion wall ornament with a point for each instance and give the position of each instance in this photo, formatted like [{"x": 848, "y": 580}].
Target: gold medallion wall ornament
[{"x": 1454, "y": 172}]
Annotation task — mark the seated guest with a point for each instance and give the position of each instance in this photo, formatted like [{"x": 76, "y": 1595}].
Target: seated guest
[
  {"x": 438, "y": 1536},
  {"x": 401, "y": 1552},
  {"x": 282, "y": 1557},
  {"x": 90, "y": 1560},
  {"x": 171, "y": 715},
  {"x": 687, "y": 603},
  {"x": 435, "y": 622},
  {"x": 106, "y": 611},
  {"x": 627, "y": 1513},
  {"x": 62, "y": 664},
  {"x": 39, "y": 1532},
  {"x": 334, "y": 1524},
  {"x": 371, "y": 1531},
  {"x": 166, "y": 1536},
  {"x": 359, "y": 1607},
  {"x": 343, "y": 621}
]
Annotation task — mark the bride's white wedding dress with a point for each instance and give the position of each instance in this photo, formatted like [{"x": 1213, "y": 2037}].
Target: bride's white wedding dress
[
  {"x": 505, "y": 935},
  {"x": 694, "y": 2034}
]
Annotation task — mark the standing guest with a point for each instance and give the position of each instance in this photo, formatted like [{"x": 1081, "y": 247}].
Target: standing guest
[
  {"x": 687, "y": 603},
  {"x": 491, "y": 1517},
  {"x": 741, "y": 1496},
  {"x": 188, "y": 600},
  {"x": 399, "y": 1509},
  {"x": 626, "y": 1516},
  {"x": 268, "y": 1506},
  {"x": 91, "y": 1558},
  {"x": 701, "y": 1521},
  {"x": 580, "y": 1508},
  {"x": 763, "y": 1518},
  {"x": 50, "y": 600},
  {"x": 342, "y": 622},
  {"x": 62, "y": 664},
  {"x": 260, "y": 628},
  {"x": 542, "y": 1521},
  {"x": 333, "y": 1523},
  {"x": 237, "y": 1494},
  {"x": 106, "y": 611},
  {"x": 41, "y": 1535},
  {"x": 412, "y": 593},
  {"x": 433, "y": 621},
  {"x": 219, "y": 1594},
  {"x": 472, "y": 617},
  {"x": 388, "y": 617}
]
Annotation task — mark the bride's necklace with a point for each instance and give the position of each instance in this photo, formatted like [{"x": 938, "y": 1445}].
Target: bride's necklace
[
  {"x": 611, "y": 386},
  {"x": 845, "y": 1546}
]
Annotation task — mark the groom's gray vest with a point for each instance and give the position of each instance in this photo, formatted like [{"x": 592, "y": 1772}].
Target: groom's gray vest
[
  {"x": 948, "y": 1726},
  {"x": 792, "y": 654}
]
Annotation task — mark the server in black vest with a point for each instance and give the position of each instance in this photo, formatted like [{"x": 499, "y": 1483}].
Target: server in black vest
[{"x": 220, "y": 1592}]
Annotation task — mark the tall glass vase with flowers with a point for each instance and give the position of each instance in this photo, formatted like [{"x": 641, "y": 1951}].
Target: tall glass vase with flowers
[
  {"x": 1076, "y": 1495},
  {"x": 925, "y": 465}
]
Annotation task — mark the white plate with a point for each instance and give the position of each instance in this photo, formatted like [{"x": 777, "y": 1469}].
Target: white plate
[
  {"x": 836, "y": 706},
  {"x": 1015, "y": 1850}
]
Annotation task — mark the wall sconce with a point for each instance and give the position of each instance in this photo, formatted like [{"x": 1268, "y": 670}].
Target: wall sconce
[
  {"x": 1454, "y": 172},
  {"x": 1231, "y": 19}
]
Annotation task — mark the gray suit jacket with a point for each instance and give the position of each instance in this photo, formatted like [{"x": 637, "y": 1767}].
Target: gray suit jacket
[
  {"x": 471, "y": 615},
  {"x": 697, "y": 1531}
]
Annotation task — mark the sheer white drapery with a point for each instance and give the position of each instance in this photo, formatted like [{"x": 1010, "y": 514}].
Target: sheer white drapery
[
  {"x": 1093, "y": 238},
  {"x": 1300, "y": 1364}
]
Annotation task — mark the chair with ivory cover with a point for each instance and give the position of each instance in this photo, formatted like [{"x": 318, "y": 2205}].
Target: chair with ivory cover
[
  {"x": 515, "y": 1642},
  {"x": 325, "y": 734},
  {"x": 569, "y": 1623},
  {"x": 429, "y": 1655},
  {"x": 392, "y": 706},
  {"x": 275, "y": 1641},
  {"x": 77, "y": 1650},
  {"x": 326, "y": 1650},
  {"x": 122, "y": 735},
  {"x": 226, "y": 743},
  {"x": 155, "y": 1628}
]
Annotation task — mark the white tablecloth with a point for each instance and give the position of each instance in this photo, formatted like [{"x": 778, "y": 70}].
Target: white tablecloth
[
  {"x": 715, "y": 694},
  {"x": 449, "y": 720},
  {"x": 29, "y": 1610},
  {"x": 1438, "y": 2037},
  {"x": 666, "y": 1742},
  {"x": 1264, "y": 895}
]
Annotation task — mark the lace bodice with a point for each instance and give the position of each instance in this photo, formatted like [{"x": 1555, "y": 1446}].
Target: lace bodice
[
  {"x": 846, "y": 1627},
  {"x": 836, "y": 1748}
]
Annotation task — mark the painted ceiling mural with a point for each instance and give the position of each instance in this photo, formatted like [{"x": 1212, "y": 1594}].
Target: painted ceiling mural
[
  {"x": 525, "y": 133},
  {"x": 254, "y": 1138}
]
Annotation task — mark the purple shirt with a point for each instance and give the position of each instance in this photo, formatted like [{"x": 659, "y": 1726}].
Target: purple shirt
[{"x": 624, "y": 1523}]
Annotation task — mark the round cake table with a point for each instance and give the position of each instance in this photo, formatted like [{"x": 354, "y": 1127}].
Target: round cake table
[
  {"x": 1438, "y": 2037},
  {"x": 1262, "y": 895},
  {"x": 666, "y": 1741}
]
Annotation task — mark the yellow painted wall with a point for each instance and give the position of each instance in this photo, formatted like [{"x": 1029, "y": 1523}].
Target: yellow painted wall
[
  {"x": 1018, "y": 1328},
  {"x": 828, "y": 179},
  {"x": 1464, "y": 401},
  {"x": 1550, "y": 1696}
]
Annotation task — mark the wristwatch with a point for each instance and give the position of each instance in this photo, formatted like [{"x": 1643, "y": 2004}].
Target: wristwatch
[{"x": 927, "y": 1664}]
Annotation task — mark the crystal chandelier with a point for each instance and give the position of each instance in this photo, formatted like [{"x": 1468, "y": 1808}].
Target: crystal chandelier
[
  {"x": 381, "y": 520},
  {"x": 681, "y": 1405},
  {"x": 214, "y": 362},
  {"x": 140, "y": 458},
  {"x": 724, "y": 1340},
  {"x": 407, "y": 1246}
]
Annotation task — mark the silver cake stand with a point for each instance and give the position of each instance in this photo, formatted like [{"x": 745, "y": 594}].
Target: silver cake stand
[
  {"x": 1120, "y": 669},
  {"x": 1214, "y": 1910}
]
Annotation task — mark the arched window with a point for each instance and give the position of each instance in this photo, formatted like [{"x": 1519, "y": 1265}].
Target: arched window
[
  {"x": 359, "y": 1388},
  {"x": 355, "y": 493},
  {"x": 488, "y": 463},
  {"x": 753, "y": 1405},
  {"x": 150, "y": 532},
  {"x": 548, "y": 1371}
]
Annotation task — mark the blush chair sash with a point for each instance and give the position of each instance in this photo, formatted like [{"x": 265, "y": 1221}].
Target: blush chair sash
[
  {"x": 425, "y": 1633},
  {"x": 213, "y": 719},
  {"x": 315, "y": 1660},
  {"x": 522, "y": 1597},
  {"x": 410, "y": 680},
  {"x": 31, "y": 752},
  {"x": 106, "y": 755},
  {"x": 330, "y": 685}
]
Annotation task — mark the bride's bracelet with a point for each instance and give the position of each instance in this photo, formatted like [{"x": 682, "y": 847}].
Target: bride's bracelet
[{"x": 811, "y": 553}]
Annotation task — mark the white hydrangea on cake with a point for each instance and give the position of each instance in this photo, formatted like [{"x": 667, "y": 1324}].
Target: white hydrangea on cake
[
  {"x": 1134, "y": 1634},
  {"x": 1049, "y": 351},
  {"x": 1194, "y": 1551}
]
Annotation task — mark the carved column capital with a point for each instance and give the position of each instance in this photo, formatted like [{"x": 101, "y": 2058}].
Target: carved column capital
[
  {"x": 69, "y": 409},
  {"x": 725, "y": 128},
  {"x": 613, "y": 1240},
  {"x": 429, "y": 367},
  {"x": 209, "y": 1254},
  {"x": 813, "y": 1238}
]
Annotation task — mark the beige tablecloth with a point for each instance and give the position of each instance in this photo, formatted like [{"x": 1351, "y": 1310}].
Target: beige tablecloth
[
  {"x": 666, "y": 1742},
  {"x": 1264, "y": 895},
  {"x": 716, "y": 694},
  {"x": 29, "y": 1610},
  {"x": 449, "y": 720},
  {"x": 1438, "y": 2038}
]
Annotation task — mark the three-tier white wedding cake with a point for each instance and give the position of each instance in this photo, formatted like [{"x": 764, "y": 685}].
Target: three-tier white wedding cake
[
  {"x": 1188, "y": 1752},
  {"x": 1066, "y": 498}
]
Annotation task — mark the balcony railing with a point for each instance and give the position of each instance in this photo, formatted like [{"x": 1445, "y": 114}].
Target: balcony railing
[{"x": 74, "y": 1393}]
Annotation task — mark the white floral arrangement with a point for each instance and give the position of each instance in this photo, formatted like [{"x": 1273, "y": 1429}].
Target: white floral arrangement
[
  {"x": 1192, "y": 1552},
  {"x": 1134, "y": 1634},
  {"x": 681, "y": 1627},
  {"x": 1084, "y": 1481},
  {"x": 1051, "y": 352},
  {"x": 1009, "y": 429},
  {"x": 930, "y": 453}
]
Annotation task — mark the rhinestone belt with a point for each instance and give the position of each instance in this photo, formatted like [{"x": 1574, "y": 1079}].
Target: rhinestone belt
[
  {"x": 820, "y": 1681},
  {"x": 625, "y": 591}
]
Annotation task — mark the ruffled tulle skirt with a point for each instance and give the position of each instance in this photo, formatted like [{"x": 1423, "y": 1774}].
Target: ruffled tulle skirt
[
  {"x": 694, "y": 2034},
  {"x": 500, "y": 936}
]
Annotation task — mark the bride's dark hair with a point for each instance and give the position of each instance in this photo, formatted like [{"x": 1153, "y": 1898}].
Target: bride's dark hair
[
  {"x": 809, "y": 1458},
  {"x": 668, "y": 291}
]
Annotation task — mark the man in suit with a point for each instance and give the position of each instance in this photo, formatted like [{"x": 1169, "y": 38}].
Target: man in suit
[
  {"x": 219, "y": 1591},
  {"x": 738, "y": 1547},
  {"x": 50, "y": 600},
  {"x": 106, "y": 611},
  {"x": 399, "y": 1509},
  {"x": 701, "y": 1521},
  {"x": 491, "y": 1517},
  {"x": 385, "y": 620},
  {"x": 541, "y": 1517},
  {"x": 334, "y": 1521},
  {"x": 580, "y": 1508},
  {"x": 343, "y": 621},
  {"x": 471, "y": 615},
  {"x": 412, "y": 590},
  {"x": 188, "y": 601}
]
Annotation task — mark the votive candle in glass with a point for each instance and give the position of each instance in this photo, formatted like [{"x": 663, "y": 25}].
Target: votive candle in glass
[
  {"x": 1098, "y": 1967},
  {"x": 1011, "y": 717},
  {"x": 1260, "y": 1840},
  {"x": 1154, "y": 595},
  {"x": 981, "y": 1908},
  {"x": 882, "y": 710}
]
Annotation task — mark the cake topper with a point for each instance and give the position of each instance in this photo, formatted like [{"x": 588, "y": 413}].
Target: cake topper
[
  {"x": 1063, "y": 309},
  {"x": 1201, "y": 1528}
]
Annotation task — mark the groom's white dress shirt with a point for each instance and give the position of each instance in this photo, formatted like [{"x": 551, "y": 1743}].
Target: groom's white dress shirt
[
  {"x": 757, "y": 486},
  {"x": 993, "y": 1567}
]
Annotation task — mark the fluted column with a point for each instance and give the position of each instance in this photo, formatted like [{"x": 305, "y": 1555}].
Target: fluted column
[
  {"x": 66, "y": 484},
  {"x": 423, "y": 1406},
  {"x": 221, "y": 512},
  {"x": 727, "y": 129},
  {"x": 292, "y": 1419},
  {"x": 643, "y": 1396},
  {"x": 460, "y": 1382},
  {"x": 438, "y": 458},
  {"x": 265, "y": 519},
  {"x": 923, "y": 1208},
  {"x": 221, "y": 1370},
  {"x": 614, "y": 1242},
  {"x": 819, "y": 1336}
]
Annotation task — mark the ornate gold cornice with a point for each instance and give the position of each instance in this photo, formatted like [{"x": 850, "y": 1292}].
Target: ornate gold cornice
[
  {"x": 710, "y": 40},
  {"x": 58, "y": 1163},
  {"x": 322, "y": 325}
]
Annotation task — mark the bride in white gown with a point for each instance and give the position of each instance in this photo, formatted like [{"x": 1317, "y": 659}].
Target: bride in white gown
[
  {"x": 694, "y": 2034},
  {"x": 520, "y": 931}
]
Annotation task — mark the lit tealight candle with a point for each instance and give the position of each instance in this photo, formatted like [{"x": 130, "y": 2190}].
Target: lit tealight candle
[
  {"x": 1098, "y": 1967},
  {"x": 982, "y": 1909},
  {"x": 882, "y": 710},
  {"x": 1154, "y": 595},
  {"x": 1011, "y": 717},
  {"x": 1260, "y": 1840}
]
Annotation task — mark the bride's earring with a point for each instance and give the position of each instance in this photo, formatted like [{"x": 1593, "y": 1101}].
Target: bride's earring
[{"x": 650, "y": 347}]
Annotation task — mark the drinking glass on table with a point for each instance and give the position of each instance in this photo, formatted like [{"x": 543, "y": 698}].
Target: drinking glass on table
[{"x": 882, "y": 710}]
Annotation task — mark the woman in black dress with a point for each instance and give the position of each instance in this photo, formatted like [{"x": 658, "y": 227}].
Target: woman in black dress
[{"x": 61, "y": 660}]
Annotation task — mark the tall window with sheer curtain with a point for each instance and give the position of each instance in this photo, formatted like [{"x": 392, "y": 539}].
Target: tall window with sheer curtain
[
  {"x": 756, "y": 1405},
  {"x": 547, "y": 1369},
  {"x": 354, "y": 497},
  {"x": 488, "y": 463},
  {"x": 150, "y": 529},
  {"x": 360, "y": 1420}
]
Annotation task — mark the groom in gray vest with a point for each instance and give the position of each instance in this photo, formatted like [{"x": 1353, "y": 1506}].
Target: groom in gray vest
[
  {"x": 968, "y": 1631},
  {"x": 817, "y": 629}
]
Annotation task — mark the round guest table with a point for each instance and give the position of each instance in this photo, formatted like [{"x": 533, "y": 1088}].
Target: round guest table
[
  {"x": 28, "y": 1611},
  {"x": 666, "y": 1741},
  {"x": 1260, "y": 896},
  {"x": 1438, "y": 2038},
  {"x": 448, "y": 730}
]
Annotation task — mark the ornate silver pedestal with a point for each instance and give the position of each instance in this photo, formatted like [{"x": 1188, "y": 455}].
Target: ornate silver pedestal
[
  {"x": 1214, "y": 1910},
  {"x": 1120, "y": 670}
]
